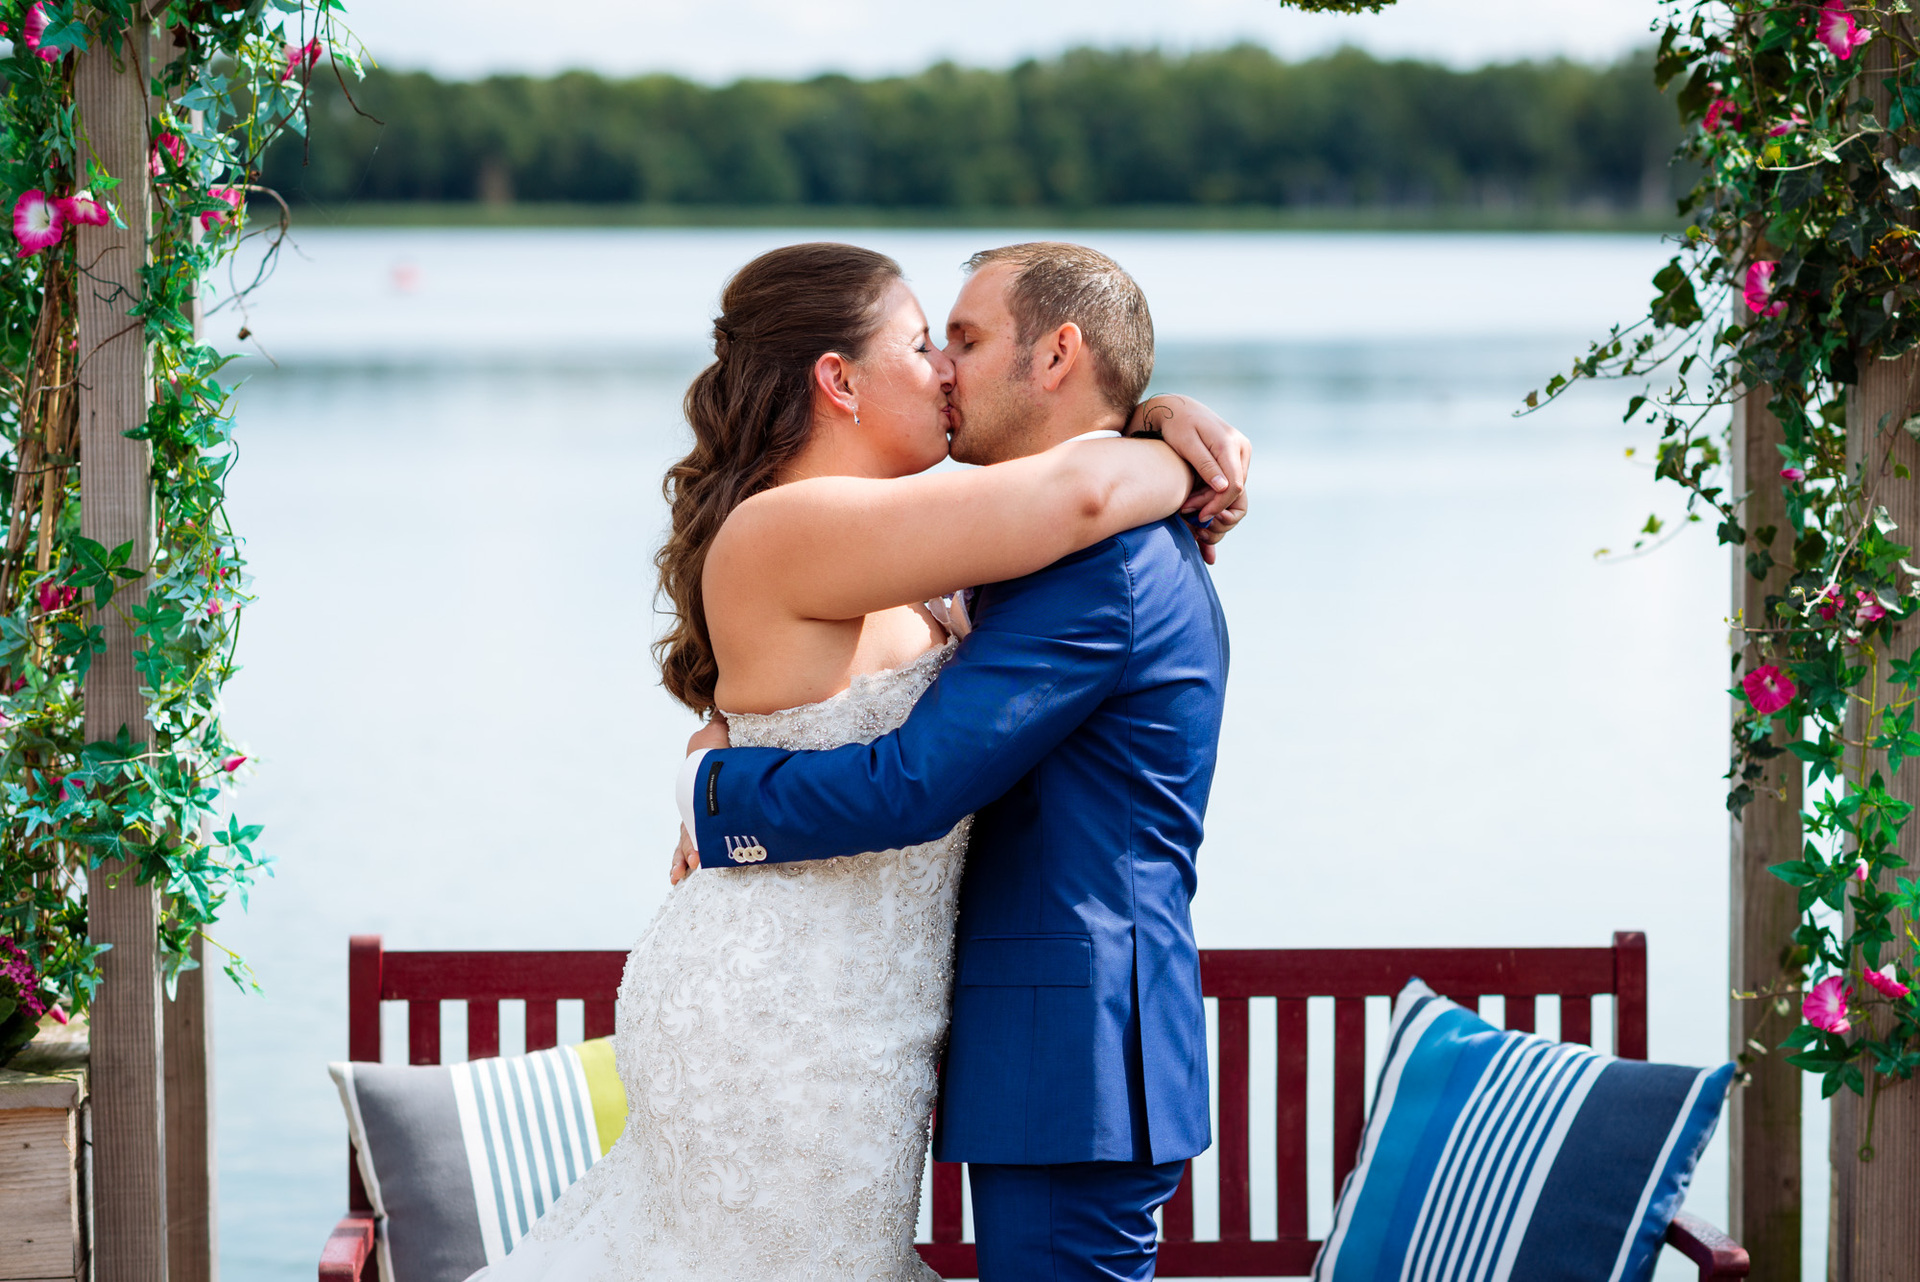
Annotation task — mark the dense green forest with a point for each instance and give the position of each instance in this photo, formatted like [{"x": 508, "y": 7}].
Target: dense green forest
[{"x": 1087, "y": 130}]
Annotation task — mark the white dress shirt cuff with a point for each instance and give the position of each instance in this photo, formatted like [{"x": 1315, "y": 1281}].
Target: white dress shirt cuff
[{"x": 685, "y": 788}]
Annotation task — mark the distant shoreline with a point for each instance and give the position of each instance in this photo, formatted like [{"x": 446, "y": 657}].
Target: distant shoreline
[{"x": 1126, "y": 217}]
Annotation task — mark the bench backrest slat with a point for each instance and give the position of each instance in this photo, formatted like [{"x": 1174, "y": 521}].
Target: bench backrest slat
[{"x": 1232, "y": 977}]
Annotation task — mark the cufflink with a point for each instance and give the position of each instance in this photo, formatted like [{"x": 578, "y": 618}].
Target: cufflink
[{"x": 745, "y": 850}]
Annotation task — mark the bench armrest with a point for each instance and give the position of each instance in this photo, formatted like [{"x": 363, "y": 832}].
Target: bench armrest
[
  {"x": 349, "y": 1249},
  {"x": 1718, "y": 1255}
]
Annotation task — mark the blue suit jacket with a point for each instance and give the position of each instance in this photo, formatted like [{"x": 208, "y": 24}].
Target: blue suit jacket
[{"x": 1080, "y": 720}]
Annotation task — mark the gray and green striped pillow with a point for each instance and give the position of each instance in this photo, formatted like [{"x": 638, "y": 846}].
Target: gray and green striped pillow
[{"x": 459, "y": 1160}]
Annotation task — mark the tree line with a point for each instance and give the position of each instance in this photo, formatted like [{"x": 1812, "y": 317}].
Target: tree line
[{"x": 1088, "y": 129}]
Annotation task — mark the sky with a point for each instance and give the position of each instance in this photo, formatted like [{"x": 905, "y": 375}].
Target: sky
[{"x": 720, "y": 40}]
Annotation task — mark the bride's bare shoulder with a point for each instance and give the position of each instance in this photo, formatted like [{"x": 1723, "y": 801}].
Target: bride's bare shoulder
[
  {"x": 758, "y": 536},
  {"x": 767, "y": 522}
]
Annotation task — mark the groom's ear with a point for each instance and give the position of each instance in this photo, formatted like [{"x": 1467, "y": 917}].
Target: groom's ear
[{"x": 1056, "y": 354}]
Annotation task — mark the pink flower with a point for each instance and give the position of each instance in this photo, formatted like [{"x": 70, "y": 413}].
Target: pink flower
[
  {"x": 1769, "y": 689},
  {"x": 219, "y": 218},
  {"x": 1884, "y": 981},
  {"x": 1791, "y": 125},
  {"x": 1828, "y": 602},
  {"x": 172, "y": 146},
  {"x": 55, "y": 598},
  {"x": 81, "y": 207},
  {"x": 34, "y": 30},
  {"x": 1860, "y": 872},
  {"x": 17, "y": 974},
  {"x": 1870, "y": 610},
  {"x": 232, "y": 764},
  {"x": 301, "y": 57},
  {"x": 1825, "y": 1005},
  {"x": 37, "y": 222},
  {"x": 58, "y": 1012},
  {"x": 1719, "y": 111},
  {"x": 1759, "y": 289},
  {"x": 1837, "y": 30},
  {"x": 1793, "y": 474}
]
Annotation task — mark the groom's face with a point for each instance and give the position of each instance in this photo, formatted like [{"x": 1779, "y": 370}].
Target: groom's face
[{"x": 997, "y": 409}]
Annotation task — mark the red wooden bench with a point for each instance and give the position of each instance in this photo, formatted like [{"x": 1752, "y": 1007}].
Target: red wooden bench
[{"x": 1348, "y": 975}]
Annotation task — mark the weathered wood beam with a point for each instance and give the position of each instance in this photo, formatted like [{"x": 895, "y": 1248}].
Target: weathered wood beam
[
  {"x": 116, "y": 507},
  {"x": 1764, "y": 1114},
  {"x": 1875, "y": 1230},
  {"x": 1875, "y": 1225},
  {"x": 193, "y": 1240}
]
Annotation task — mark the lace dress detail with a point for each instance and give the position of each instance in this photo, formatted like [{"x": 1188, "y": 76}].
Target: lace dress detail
[{"x": 776, "y": 1031}]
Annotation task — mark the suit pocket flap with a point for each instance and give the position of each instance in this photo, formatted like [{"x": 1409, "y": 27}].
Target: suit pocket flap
[{"x": 1028, "y": 961}]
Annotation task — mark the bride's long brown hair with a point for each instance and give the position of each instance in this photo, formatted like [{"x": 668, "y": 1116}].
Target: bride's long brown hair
[{"x": 751, "y": 412}]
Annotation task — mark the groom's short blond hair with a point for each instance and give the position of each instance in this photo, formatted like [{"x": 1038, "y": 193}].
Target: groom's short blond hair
[{"x": 1055, "y": 282}]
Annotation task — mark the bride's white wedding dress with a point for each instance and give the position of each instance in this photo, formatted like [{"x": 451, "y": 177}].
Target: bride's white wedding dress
[{"x": 776, "y": 1032}]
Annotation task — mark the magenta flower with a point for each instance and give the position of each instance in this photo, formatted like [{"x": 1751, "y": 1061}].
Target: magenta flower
[
  {"x": 81, "y": 207},
  {"x": 37, "y": 222},
  {"x": 301, "y": 57},
  {"x": 1720, "y": 111},
  {"x": 1791, "y": 125},
  {"x": 1793, "y": 474},
  {"x": 1884, "y": 981},
  {"x": 1825, "y": 1005},
  {"x": 1828, "y": 602},
  {"x": 1837, "y": 30},
  {"x": 232, "y": 764},
  {"x": 35, "y": 29},
  {"x": 219, "y": 218},
  {"x": 58, "y": 1012},
  {"x": 1759, "y": 289},
  {"x": 1869, "y": 609},
  {"x": 1769, "y": 689},
  {"x": 169, "y": 145},
  {"x": 1860, "y": 871},
  {"x": 17, "y": 974}
]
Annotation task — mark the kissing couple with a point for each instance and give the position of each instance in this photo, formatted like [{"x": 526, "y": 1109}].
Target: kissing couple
[{"x": 1018, "y": 668}]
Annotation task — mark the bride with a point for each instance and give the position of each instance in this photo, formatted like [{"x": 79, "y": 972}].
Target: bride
[{"x": 778, "y": 1027}]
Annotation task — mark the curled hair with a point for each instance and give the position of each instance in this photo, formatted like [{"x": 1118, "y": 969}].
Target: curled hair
[{"x": 752, "y": 413}]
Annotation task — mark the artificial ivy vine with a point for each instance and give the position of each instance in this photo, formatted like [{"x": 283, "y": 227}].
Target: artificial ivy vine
[
  {"x": 1804, "y": 212},
  {"x": 233, "y": 76}
]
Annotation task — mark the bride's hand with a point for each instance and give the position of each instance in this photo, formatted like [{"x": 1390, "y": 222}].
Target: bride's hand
[
  {"x": 685, "y": 858},
  {"x": 1219, "y": 455}
]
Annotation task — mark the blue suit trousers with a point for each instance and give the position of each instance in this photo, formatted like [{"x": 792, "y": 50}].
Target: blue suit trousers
[{"x": 1073, "y": 1222}]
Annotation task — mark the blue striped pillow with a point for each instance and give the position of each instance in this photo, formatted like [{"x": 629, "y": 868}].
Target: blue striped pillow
[
  {"x": 459, "y": 1160},
  {"x": 1493, "y": 1156}
]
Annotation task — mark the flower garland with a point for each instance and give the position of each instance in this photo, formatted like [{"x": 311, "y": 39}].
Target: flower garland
[
  {"x": 233, "y": 76},
  {"x": 1810, "y": 168}
]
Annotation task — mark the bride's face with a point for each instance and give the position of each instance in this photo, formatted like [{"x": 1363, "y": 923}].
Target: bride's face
[{"x": 902, "y": 382}]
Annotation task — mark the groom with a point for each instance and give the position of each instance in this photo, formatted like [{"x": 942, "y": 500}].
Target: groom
[{"x": 1080, "y": 719}]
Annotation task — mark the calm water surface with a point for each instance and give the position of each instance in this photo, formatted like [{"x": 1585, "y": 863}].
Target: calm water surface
[{"x": 1447, "y": 724}]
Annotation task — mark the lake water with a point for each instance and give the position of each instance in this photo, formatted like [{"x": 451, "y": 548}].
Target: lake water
[{"x": 1448, "y": 724}]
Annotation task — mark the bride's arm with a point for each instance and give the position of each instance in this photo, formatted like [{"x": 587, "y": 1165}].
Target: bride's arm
[{"x": 839, "y": 547}]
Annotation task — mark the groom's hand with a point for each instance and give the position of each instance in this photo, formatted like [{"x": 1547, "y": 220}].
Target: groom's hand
[{"x": 686, "y": 858}]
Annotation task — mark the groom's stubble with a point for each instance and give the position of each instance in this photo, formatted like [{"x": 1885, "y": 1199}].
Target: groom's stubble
[{"x": 1002, "y": 410}]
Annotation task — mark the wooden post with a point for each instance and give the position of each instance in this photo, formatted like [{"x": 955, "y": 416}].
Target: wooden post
[
  {"x": 192, "y": 1227},
  {"x": 1875, "y": 1227},
  {"x": 1764, "y": 1121},
  {"x": 1874, "y": 1230},
  {"x": 116, "y": 507}
]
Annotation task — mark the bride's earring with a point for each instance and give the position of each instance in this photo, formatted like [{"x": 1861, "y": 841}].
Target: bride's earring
[{"x": 856, "y": 418}]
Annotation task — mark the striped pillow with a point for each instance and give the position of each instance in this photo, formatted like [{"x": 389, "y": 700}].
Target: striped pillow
[
  {"x": 459, "y": 1160},
  {"x": 1493, "y": 1156}
]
